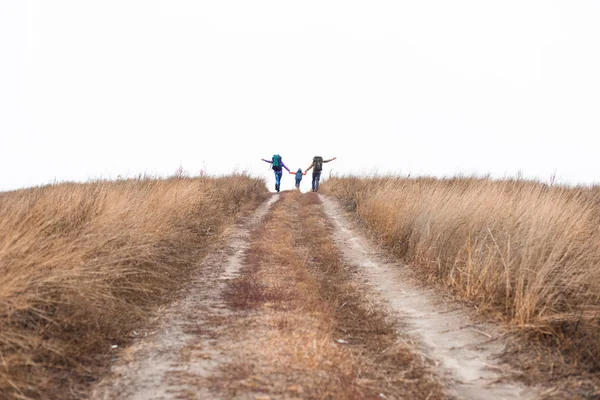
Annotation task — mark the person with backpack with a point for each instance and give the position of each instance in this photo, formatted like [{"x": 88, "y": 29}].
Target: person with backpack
[
  {"x": 277, "y": 164},
  {"x": 317, "y": 165},
  {"x": 299, "y": 175}
]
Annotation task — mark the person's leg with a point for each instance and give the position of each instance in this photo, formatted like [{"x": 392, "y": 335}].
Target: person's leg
[
  {"x": 314, "y": 180},
  {"x": 317, "y": 177},
  {"x": 277, "y": 180}
]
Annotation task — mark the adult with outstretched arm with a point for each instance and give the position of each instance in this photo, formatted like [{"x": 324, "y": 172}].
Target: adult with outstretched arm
[
  {"x": 317, "y": 167},
  {"x": 277, "y": 165}
]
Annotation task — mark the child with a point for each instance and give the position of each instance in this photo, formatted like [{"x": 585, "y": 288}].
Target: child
[{"x": 298, "y": 177}]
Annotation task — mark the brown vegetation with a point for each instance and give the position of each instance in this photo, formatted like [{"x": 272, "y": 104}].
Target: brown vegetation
[
  {"x": 81, "y": 265},
  {"x": 523, "y": 251}
]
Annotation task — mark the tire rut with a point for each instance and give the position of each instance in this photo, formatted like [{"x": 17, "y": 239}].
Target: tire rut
[{"x": 465, "y": 352}]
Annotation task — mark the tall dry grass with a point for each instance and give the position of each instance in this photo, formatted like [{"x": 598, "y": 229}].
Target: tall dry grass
[
  {"x": 81, "y": 265},
  {"x": 524, "y": 249}
]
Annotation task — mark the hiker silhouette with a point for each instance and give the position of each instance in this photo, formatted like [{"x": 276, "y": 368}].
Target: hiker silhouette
[
  {"x": 317, "y": 167},
  {"x": 277, "y": 165}
]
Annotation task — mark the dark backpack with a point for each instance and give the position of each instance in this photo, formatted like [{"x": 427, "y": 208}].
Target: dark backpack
[
  {"x": 318, "y": 163},
  {"x": 277, "y": 163}
]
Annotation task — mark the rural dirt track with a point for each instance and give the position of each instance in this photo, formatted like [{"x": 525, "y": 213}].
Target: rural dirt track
[{"x": 192, "y": 341}]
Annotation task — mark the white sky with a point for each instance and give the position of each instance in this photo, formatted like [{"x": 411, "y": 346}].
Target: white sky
[{"x": 93, "y": 89}]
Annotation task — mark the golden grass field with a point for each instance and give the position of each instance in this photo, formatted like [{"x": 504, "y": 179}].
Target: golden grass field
[
  {"x": 523, "y": 251},
  {"x": 81, "y": 265}
]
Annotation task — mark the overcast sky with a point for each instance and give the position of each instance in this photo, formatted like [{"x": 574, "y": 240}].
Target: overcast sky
[{"x": 97, "y": 89}]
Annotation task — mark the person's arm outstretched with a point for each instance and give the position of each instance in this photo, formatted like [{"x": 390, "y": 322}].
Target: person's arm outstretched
[
  {"x": 331, "y": 159},
  {"x": 283, "y": 165},
  {"x": 269, "y": 161},
  {"x": 308, "y": 169}
]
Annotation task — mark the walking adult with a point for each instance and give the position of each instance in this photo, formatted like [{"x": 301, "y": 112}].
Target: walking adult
[
  {"x": 277, "y": 165},
  {"x": 317, "y": 167}
]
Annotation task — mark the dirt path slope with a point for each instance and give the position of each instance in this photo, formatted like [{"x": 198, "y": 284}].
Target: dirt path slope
[{"x": 295, "y": 303}]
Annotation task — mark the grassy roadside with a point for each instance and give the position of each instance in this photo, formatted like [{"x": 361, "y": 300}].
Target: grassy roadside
[
  {"x": 81, "y": 265},
  {"x": 303, "y": 326},
  {"x": 523, "y": 252}
]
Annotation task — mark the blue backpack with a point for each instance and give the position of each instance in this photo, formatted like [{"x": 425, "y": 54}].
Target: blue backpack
[{"x": 277, "y": 163}]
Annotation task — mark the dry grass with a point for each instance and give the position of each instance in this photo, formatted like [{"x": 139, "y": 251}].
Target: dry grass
[
  {"x": 295, "y": 299},
  {"x": 526, "y": 251},
  {"x": 82, "y": 264}
]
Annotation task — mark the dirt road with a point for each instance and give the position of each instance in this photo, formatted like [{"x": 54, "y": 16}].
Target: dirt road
[{"x": 296, "y": 303}]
